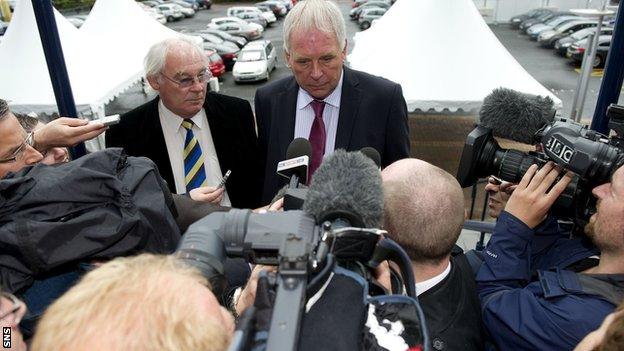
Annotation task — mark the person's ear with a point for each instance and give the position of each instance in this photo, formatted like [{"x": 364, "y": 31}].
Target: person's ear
[{"x": 153, "y": 82}]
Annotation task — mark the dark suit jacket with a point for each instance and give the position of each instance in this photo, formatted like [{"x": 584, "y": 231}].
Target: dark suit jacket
[
  {"x": 373, "y": 113},
  {"x": 233, "y": 132}
]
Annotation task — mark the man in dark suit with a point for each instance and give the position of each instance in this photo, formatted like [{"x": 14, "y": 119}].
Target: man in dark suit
[
  {"x": 194, "y": 137},
  {"x": 332, "y": 106}
]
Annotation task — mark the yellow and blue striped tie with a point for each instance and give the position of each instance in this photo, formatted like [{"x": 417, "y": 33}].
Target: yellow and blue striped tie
[{"x": 194, "y": 173}]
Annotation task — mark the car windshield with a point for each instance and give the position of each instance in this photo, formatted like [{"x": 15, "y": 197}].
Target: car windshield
[
  {"x": 212, "y": 38},
  {"x": 214, "y": 58},
  {"x": 581, "y": 33},
  {"x": 247, "y": 56}
]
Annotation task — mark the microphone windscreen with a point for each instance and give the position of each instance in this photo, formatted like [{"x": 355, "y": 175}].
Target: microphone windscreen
[
  {"x": 299, "y": 147},
  {"x": 349, "y": 182},
  {"x": 373, "y": 154},
  {"x": 514, "y": 115}
]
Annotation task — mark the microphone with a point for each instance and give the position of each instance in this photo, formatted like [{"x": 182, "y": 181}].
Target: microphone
[
  {"x": 295, "y": 167},
  {"x": 514, "y": 115},
  {"x": 347, "y": 185},
  {"x": 373, "y": 154}
]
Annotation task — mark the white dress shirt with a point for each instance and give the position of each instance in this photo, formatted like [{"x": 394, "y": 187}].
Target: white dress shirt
[
  {"x": 304, "y": 116},
  {"x": 175, "y": 135},
  {"x": 431, "y": 282}
]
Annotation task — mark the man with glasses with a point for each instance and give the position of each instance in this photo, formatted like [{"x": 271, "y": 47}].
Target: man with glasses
[
  {"x": 19, "y": 149},
  {"x": 194, "y": 137}
]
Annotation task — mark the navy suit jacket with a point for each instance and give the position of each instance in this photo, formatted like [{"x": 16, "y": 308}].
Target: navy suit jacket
[
  {"x": 372, "y": 113},
  {"x": 233, "y": 133}
]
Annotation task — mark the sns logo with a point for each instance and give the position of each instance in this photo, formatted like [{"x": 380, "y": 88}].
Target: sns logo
[
  {"x": 559, "y": 149},
  {"x": 6, "y": 337}
]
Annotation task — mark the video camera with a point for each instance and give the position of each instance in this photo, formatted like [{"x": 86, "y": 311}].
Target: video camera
[
  {"x": 334, "y": 231},
  {"x": 592, "y": 156}
]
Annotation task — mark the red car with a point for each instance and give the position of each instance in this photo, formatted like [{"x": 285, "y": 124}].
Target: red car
[{"x": 215, "y": 63}]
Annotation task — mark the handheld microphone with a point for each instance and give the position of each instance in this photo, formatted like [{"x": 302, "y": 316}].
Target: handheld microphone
[
  {"x": 514, "y": 115},
  {"x": 373, "y": 154},
  {"x": 295, "y": 168}
]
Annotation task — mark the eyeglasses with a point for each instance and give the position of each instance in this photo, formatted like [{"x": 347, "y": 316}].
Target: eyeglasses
[
  {"x": 12, "y": 311},
  {"x": 30, "y": 140},
  {"x": 187, "y": 82}
]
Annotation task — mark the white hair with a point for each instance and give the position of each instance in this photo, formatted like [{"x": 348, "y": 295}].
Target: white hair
[
  {"x": 157, "y": 55},
  {"x": 322, "y": 15}
]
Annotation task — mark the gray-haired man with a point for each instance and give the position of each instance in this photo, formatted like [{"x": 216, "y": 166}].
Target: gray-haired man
[{"x": 331, "y": 105}]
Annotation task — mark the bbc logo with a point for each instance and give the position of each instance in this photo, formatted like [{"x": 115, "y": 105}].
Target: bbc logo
[{"x": 6, "y": 337}]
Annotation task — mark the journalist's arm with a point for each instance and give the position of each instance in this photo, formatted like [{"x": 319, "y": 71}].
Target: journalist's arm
[{"x": 518, "y": 313}]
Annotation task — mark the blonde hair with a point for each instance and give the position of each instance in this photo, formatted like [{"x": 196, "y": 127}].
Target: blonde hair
[{"x": 135, "y": 303}]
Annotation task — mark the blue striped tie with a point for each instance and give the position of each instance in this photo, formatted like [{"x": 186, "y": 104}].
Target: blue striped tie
[{"x": 194, "y": 173}]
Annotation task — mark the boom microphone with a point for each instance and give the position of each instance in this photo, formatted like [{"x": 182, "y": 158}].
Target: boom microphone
[
  {"x": 514, "y": 115},
  {"x": 373, "y": 154},
  {"x": 347, "y": 185}
]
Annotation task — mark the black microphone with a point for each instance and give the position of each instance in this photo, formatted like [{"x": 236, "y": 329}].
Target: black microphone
[
  {"x": 295, "y": 166},
  {"x": 373, "y": 154},
  {"x": 514, "y": 115},
  {"x": 346, "y": 185}
]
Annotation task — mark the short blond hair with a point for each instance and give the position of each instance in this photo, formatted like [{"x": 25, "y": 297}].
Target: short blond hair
[{"x": 135, "y": 303}]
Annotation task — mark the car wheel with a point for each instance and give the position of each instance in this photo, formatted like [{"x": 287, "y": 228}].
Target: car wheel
[
  {"x": 365, "y": 25},
  {"x": 598, "y": 61},
  {"x": 268, "y": 74},
  {"x": 170, "y": 19}
]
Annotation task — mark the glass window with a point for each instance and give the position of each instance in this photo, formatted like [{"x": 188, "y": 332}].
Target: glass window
[{"x": 247, "y": 56}]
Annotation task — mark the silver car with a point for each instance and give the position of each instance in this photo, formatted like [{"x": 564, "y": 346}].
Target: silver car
[
  {"x": 369, "y": 15},
  {"x": 255, "y": 62}
]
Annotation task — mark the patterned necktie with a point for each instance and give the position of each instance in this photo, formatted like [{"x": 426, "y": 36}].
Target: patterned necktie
[
  {"x": 317, "y": 136},
  {"x": 194, "y": 173}
]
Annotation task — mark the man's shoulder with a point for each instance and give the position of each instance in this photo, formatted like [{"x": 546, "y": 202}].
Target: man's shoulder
[
  {"x": 227, "y": 100},
  {"x": 276, "y": 86},
  {"x": 139, "y": 112},
  {"x": 369, "y": 80}
]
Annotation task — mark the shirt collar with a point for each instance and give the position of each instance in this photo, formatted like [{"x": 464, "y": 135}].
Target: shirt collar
[
  {"x": 431, "y": 282},
  {"x": 174, "y": 122},
  {"x": 333, "y": 99}
]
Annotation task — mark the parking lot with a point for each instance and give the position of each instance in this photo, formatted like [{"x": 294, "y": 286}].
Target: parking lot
[{"x": 554, "y": 72}]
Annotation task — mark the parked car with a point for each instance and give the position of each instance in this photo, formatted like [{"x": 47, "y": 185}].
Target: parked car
[
  {"x": 355, "y": 13},
  {"x": 185, "y": 7},
  {"x": 562, "y": 45},
  {"x": 154, "y": 13},
  {"x": 267, "y": 15},
  {"x": 255, "y": 62},
  {"x": 540, "y": 19},
  {"x": 516, "y": 20},
  {"x": 253, "y": 18},
  {"x": 358, "y": 3},
  {"x": 237, "y": 40},
  {"x": 287, "y": 3},
  {"x": 278, "y": 8},
  {"x": 215, "y": 22},
  {"x": 227, "y": 50},
  {"x": 536, "y": 29},
  {"x": 244, "y": 30},
  {"x": 368, "y": 15},
  {"x": 548, "y": 38},
  {"x": 215, "y": 63},
  {"x": 171, "y": 11},
  {"x": 577, "y": 50}
]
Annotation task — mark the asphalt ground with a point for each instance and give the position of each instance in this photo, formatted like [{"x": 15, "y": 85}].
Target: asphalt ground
[{"x": 436, "y": 138}]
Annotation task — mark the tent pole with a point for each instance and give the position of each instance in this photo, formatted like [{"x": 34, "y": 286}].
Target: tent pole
[{"x": 55, "y": 60}]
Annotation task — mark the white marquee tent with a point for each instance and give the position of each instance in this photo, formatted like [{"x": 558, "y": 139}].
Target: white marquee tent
[
  {"x": 442, "y": 53},
  {"x": 103, "y": 58}
]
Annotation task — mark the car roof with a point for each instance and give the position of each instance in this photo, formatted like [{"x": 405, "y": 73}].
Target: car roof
[{"x": 257, "y": 43}]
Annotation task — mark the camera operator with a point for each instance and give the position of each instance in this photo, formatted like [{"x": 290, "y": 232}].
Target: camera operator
[
  {"x": 557, "y": 310},
  {"x": 135, "y": 303},
  {"x": 424, "y": 213}
]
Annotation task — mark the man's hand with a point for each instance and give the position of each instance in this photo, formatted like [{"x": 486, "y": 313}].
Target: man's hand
[
  {"x": 207, "y": 194},
  {"x": 248, "y": 295},
  {"x": 531, "y": 200},
  {"x": 66, "y": 131}
]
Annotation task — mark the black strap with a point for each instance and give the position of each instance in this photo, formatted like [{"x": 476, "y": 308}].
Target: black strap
[{"x": 610, "y": 292}]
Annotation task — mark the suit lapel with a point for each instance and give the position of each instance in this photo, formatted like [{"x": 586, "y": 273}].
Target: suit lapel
[
  {"x": 154, "y": 143},
  {"x": 349, "y": 105},
  {"x": 221, "y": 129},
  {"x": 286, "y": 110}
]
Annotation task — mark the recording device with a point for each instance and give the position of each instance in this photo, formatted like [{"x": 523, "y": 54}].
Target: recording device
[
  {"x": 108, "y": 120},
  {"x": 224, "y": 179},
  {"x": 593, "y": 157},
  {"x": 295, "y": 168},
  {"x": 342, "y": 209}
]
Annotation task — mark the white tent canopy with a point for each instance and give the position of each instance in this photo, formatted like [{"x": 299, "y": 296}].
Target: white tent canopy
[
  {"x": 444, "y": 55},
  {"x": 93, "y": 70},
  {"x": 103, "y": 58}
]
